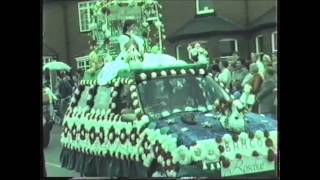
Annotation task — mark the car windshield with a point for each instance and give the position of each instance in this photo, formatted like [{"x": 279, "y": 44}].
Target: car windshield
[{"x": 165, "y": 96}]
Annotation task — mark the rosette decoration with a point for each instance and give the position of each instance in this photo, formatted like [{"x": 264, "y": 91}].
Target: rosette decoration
[
  {"x": 182, "y": 155},
  {"x": 198, "y": 152}
]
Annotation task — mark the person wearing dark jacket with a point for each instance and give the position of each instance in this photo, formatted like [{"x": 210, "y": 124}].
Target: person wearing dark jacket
[
  {"x": 65, "y": 92},
  {"x": 65, "y": 88},
  {"x": 267, "y": 95}
]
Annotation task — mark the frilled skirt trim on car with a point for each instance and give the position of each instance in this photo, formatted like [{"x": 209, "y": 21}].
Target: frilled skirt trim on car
[{"x": 102, "y": 166}]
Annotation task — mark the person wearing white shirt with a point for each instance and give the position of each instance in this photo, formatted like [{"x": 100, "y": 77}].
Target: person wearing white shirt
[
  {"x": 261, "y": 68},
  {"x": 225, "y": 75}
]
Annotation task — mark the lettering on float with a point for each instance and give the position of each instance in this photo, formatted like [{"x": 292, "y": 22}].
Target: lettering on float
[
  {"x": 246, "y": 166},
  {"x": 243, "y": 144}
]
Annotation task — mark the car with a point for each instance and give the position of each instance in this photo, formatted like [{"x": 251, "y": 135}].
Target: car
[
  {"x": 164, "y": 121},
  {"x": 167, "y": 119}
]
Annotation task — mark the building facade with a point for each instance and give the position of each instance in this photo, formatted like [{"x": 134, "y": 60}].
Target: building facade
[{"x": 246, "y": 26}]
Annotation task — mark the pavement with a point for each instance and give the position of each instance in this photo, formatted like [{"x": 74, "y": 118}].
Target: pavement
[{"x": 52, "y": 154}]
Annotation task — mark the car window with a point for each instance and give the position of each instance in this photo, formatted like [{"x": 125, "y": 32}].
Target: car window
[
  {"x": 123, "y": 100},
  {"x": 102, "y": 98},
  {"x": 177, "y": 94},
  {"x": 83, "y": 98}
]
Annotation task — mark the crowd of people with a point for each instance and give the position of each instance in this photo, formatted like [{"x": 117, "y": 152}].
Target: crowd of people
[
  {"x": 59, "y": 90},
  {"x": 253, "y": 82}
]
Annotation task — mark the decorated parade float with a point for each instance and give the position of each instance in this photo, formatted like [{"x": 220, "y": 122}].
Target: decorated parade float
[{"x": 139, "y": 112}]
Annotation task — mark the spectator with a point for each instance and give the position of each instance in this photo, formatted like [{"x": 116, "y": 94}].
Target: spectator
[
  {"x": 263, "y": 62},
  {"x": 70, "y": 79},
  {"x": 225, "y": 75},
  {"x": 65, "y": 92},
  {"x": 235, "y": 56},
  {"x": 237, "y": 89},
  {"x": 64, "y": 87},
  {"x": 256, "y": 80},
  {"x": 248, "y": 79},
  {"x": 266, "y": 61},
  {"x": 75, "y": 78},
  {"x": 215, "y": 67},
  {"x": 247, "y": 98},
  {"x": 275, "y": 90},
  {"x": 254, "y": 57},
  {"x": 238, "y": 74},
  {"x": 266, "y": 96}
]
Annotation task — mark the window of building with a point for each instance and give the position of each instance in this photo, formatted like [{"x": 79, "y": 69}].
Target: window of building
[
  {"x": 274, "y": 42},
  {"x": 259, "y": 44},
  {"x": 84, "y": 14},
  {"x": 178, "y": 51},
  {"x": 204, "y": 6},
  {"x": 227, "y": 47},
  {"x": 46, "y": 59},
  {"x": 181, "y": 52},
  {"x": 83, "y": 63}
]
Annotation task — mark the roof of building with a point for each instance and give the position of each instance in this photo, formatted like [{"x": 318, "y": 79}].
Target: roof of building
[
  {"x": 213, "y": 25},
  {"x": 265, "y": 20},
  {"x": 205, "y": 25}
]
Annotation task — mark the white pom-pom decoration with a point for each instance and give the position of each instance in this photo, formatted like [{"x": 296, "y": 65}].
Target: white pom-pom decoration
[
  {"x": 153, "y": 75},
  {"x": 133, "y": 137},
  {"x": 130, "y": 81},
  {"x": 168, "y": 163},
  {"x": 192, "y": 71},
  {"x": 227, "y": 138},
  {"x": 137, "y": 111},
  {"x": 145, "y": 118},
  {"x": 77, "y": 91},
  {"x": 182, "y": 71},
  {"x": 135, "y": 102},
  {"x": 143, "y": 76},
  {"x": 259, "y": 134},
  {"x": 157, "y": 24},
  {"x": 114, "y": 94},
  {"x": 243, "y": 136},
  {"x": 163, "y": 73},
  {"x": 117, "y": 84},
  {"x": 201, "y": 71},
  {"x": 113, "y": 105},
  {"x": 173, "y": 72},
  {"x": 122, "y": 136},
  {"x": 132, "y": 88},
  {"x": 134, "y": 95}
]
